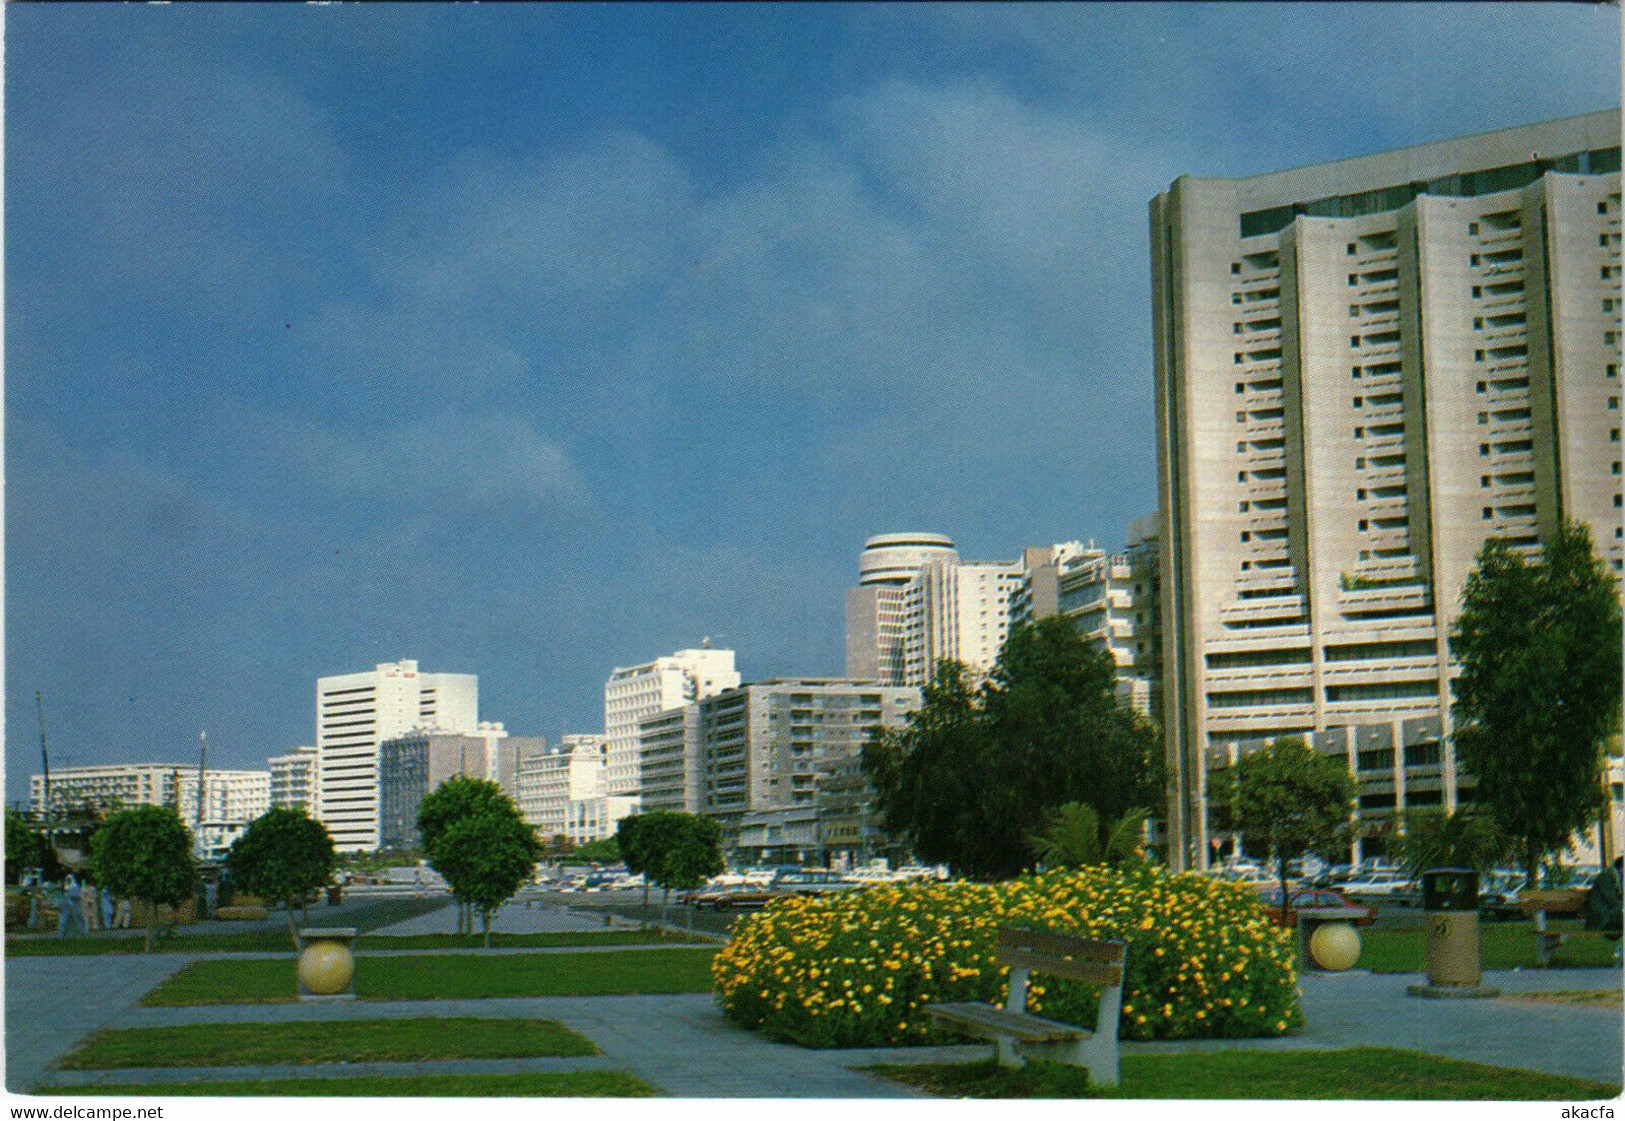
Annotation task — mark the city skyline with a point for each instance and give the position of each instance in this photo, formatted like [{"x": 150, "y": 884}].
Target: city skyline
[{"x": 531, "y": 342}]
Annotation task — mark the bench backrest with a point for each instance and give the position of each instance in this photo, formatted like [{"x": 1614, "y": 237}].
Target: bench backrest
[{"x": 1061, "y": 955}]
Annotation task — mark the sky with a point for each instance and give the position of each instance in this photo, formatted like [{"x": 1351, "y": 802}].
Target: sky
[{"x": 532, "y": 341}]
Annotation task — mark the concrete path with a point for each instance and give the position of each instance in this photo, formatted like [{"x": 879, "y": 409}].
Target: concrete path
[
  {"x": 519, "y": 917},
  {"x": 683, "y": 1045}
]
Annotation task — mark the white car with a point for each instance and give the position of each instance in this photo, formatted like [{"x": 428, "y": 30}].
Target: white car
[{"x": 1384, "y": 884}]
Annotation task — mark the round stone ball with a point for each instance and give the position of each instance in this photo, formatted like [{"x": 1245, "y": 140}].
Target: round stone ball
[
  {"x": 326, "y": 967},
  {"x": 1334, "y": 946}
]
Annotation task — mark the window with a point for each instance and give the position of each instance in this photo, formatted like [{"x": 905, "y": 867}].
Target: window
[
  {"x": 1483, "y": 480},
  {"x": 1608, "y": 305},
  {"x": 1241, "y": 416},
  {"x": 1477, "y": 291},
  {"x": 1481, "y": 387},
  {"x": 1616, "y": 501},
  {"x": 1235, "y": 298},
  {"x": 1483, "y": 449},
  {"x": 1364, "y": 525},
  {"x": 1606, "y": 272},
  {"x": 1235, "y": 328},
  {"x": 1353, "y": 280},
  {"x": 1359, "y": 463},
  {"x": 1358, "y": 401},
  {"x": 1359, "y": 433},
  {"x": 1613, "y": 435},
  {"x": 1241, "y": 508},
  {"x": 1483, "y": 418},
  {"x": 1354, "y": 340},
  {"x": 1241, "y": 387},
  {"x": 1472, "y": 228},
  {"x": 1241, "y": 476},
  {"x": 1353, "y": 249},
  {"x": 1478, "y": 324},
  {"x": 1489, "y": 512},
  {"x": 1612, "y": 371},
  {"x": 1355, "y": 370},
  {"x": 1613, "y": 402},
  {"x": 1473, "y": 260},
  {"x": 1235, "y": 268},
  {"x": 1602, "y": 207},
  {"x": 1238, "y": 359},
  {"x": 1245, "y": 536},
  {"x": 1478, "y": 356},
  {"x": 1359, "y": 495}
]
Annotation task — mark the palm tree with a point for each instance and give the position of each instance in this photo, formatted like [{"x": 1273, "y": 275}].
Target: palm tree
[{"x": 1074, "y": 835}]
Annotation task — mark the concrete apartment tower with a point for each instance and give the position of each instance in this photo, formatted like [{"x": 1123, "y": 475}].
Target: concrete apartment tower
[
  {"x": 1363, "y": 370},
  {"x": 355, "y": 712},
  {"x": 635, "y": 692},
  {"x": 917, "y": 603}
]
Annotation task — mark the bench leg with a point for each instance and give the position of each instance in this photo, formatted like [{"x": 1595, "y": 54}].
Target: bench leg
[{"x": 1004, "y": 1050}]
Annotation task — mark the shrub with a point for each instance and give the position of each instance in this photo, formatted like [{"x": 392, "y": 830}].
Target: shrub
[{"x": 853, "y": 969}]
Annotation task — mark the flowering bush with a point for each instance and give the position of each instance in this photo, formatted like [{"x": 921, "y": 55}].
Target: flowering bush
[{"x": 854, "y": 969}]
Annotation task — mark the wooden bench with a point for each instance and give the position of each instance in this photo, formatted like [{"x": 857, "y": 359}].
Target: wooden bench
[{"x": 1017, "y": 1033}]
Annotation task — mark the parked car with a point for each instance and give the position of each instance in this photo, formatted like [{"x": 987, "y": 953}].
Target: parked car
[
  {"x": 1395, "y": 886},
  {"x": 1311, "y": 897}
]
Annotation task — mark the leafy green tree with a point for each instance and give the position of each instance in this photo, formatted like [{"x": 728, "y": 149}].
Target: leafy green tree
[
  {"x": 1074, "y": 835},
  {"x": 1463, "y": 839},
  {"x": 630, "y": 837},
  {"x": 969, "y": 780},
  {"x": 485, "y": 859},
  {"x": 1286, "y": 800},
  {"x": 146, "y": 853},
  {"x": 284, "y": 855},
  {"x": 680, "y": 851},
  {"x": 22, "y": 846},
  {"x": 1539, "y": 691},
  {"x": 606, "y": 850},
  {"x": 454, "y": 800}
]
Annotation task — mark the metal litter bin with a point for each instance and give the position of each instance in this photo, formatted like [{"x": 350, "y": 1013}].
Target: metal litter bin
[{"x": 1450, "y": 926}]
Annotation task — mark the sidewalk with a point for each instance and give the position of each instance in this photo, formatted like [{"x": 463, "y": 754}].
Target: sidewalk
[{"x": 682, "y": 1044}]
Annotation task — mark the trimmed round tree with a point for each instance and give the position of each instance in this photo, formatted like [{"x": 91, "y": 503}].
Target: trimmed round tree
[
  {"x": 146, "y": 854},
  {"x": 284, "y": 855},
  {"x": 485, "y": 859},
  {"x": 454, "y": 800}
]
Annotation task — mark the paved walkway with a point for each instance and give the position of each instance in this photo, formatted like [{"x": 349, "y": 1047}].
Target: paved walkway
[{"x": 682, "y": 1044}]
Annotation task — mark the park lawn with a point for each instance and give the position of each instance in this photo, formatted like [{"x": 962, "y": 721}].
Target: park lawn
[
  {"x": 1501, "y": 946},
  {"x": 1360, "y": 1073},
  {"x": 562, "y": 1084},
  {"x": 279, "y": 942},
  {"x": 326, "y": 1041},
  {"x": 451, "y": 976}
]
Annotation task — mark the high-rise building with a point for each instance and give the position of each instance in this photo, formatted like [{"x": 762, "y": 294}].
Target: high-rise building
[
  {"x": 293, "y": 779},
  {"x": 355, "y": 712},
  {"x": 669, "y": 751},
  {"x": 1113, "y": 600},
  {"x": 564, "y": 791},
  {"x": 1363, "y": 370},
  {"x": 634, "y": 692},
  {"x": 917, "y": 604},
  {"x": 778, "y": 761},
  {"x": 411, "y": 766}
]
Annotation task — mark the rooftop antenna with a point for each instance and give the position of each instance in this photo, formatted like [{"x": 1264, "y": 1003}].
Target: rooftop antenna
[{"x": 203, "y": 756}]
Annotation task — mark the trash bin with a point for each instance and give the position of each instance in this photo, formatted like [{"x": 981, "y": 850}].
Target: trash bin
[{"x": 1450, "y": 926}]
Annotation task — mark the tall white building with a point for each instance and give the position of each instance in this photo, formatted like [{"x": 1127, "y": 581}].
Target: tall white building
[
  {"x": 917, "y": 604},
  {"x": 1112, "y": 599},
  {"x": 634, "y": 692},
  {"x": 564, "y": 791},
  {"x": 1364, "y": 369},
  {"x": 293, "y": 779},
  {"x": 356, "y": 712}
]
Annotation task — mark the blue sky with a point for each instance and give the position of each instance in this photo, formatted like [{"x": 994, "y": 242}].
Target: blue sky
[{"x": 532, "y": 341}]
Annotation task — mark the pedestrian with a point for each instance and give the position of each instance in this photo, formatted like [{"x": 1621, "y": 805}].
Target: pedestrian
[
  {"x": 121, "y": 914},
  {"x": 67, "y": 901},
  {"x": 105, "y": 898},
  {"x": 87, "y": 907}
]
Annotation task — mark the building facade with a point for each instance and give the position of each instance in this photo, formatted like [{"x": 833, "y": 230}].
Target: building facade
[
  {"x": 777, "y": 755},
  {"x": 293, "y": 780},
  {"x": 634, "y": 692},
  {"x": 669, "y": 751},
  {"x": 232, "y": 799},
  {"x": 356, "y": 712},
  {"x": 1113, "y": 600},
  {"x": 1364, "y": 369},
  {"x": 917, "y": 604},
  {"x": 411, "y": 766},
  {"x": 564, "y": 791}
]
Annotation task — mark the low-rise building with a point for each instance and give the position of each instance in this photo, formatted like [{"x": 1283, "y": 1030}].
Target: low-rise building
[
  {"x": 411, "y": 766},
  {"x": 293, "y": 780}
]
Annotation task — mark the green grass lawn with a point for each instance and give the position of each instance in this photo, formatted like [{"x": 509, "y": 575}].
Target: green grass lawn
[
  {"x": 279, "y": 942},
  {"x": 1370, "y": 1073},
  {"x": 450, "y": 976},
  {"x": 1501, "y": 946},
  {"x": 326, "y": 1041},
  {"x": 569, "y": 1084}
]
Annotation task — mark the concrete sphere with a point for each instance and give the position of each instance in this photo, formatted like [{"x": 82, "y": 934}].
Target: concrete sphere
[
  {"x": 1334, "y": 946},
  {"x": 326, "y": 968}
]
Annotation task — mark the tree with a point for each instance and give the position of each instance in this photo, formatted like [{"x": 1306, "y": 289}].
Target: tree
[
  {"x": 146, "y": 853},
  {"x": 1539, "y": 690},
  {"x": 605, "y": 850},
  {"x": 1464, "y": 839},
  {"x": 22, "y": 846},
  {"x": 485, "y": 859},
  {"x": 969, "y": 780},
  {"x": 454, "y": 800},
  {"x": 630, "y": 837},
  {"x": 1285, "y": 800},
  {"x": 1074, "y": 835},
  {"x": 679, "y": 850},
  {"x": 284, "y": 855}
]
